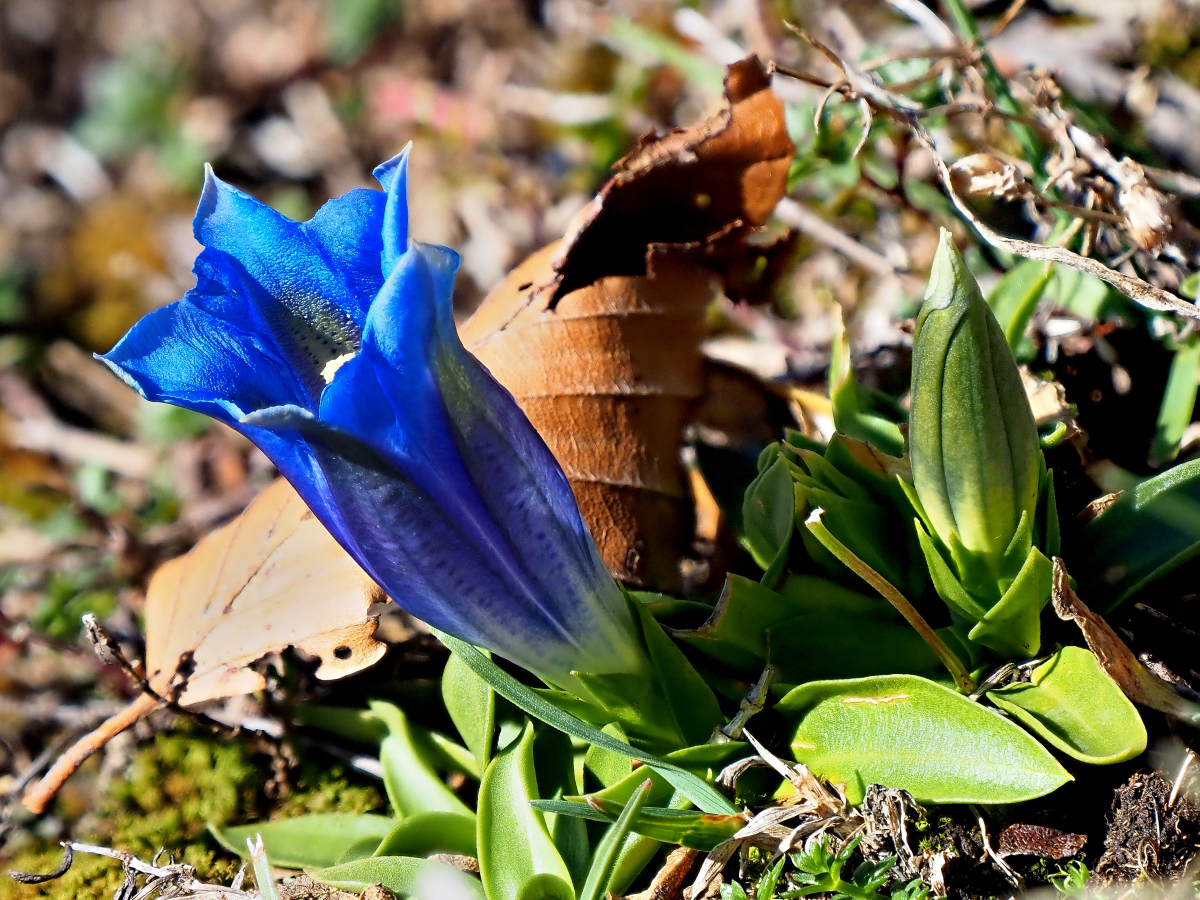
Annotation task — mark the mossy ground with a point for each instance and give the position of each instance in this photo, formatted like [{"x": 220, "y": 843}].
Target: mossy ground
[{"x": 172, "y": 789}]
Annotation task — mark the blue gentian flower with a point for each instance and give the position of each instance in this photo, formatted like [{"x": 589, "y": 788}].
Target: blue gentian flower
[{"x": 331, "y": 345}]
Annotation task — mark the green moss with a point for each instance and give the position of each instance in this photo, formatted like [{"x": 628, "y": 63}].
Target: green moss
[
  {"x": 327, "y": 791},
  {"x": 171, "y": 789}
]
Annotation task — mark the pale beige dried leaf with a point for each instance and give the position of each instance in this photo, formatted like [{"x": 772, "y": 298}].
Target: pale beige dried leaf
[{"x": 272, "y": 578}]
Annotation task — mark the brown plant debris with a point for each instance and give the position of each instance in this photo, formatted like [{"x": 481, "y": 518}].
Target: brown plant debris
[{"x": 1148, "y": 836}]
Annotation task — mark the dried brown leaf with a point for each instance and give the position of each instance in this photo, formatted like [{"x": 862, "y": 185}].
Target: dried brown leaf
[{"x": 597, "y": 336}]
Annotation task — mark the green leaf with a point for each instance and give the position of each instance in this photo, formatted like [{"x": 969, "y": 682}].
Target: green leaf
[
  {"x": 472, "y": 707},
  {"x": 1071, "y": 703},
  {"x": 424, "y": 834},
  {"x": 849, "y": 416},
  {"x": 851, "y": 646},
  {"x": 413, "y": 786},
  {"x": 312, "y": 841},
  {"x": 687, "y": 827},
  {"x": 907, "y": 732},
  {"x": 605, "y": 858},
  {"x": 420, "y": 879},
  {"x": 736, "y": 632},
  {"x": 1013, "y": 627},
  {"x": 608, "y": 767},
  {"x": 705, "y": 796},
  {"x": 514, "y": 844},
  {"x": 704, "y": 761},
  {"x": 554, "y": 762},
  {"x": 768, "y": 513},
  {"x": 360, "y": 725},
  {"x": 766, "y": 887},
  {"x": 1152, "y": 529},
  {"x": 1178, "y": 402},
  {"x": 1015, "y": 297}
]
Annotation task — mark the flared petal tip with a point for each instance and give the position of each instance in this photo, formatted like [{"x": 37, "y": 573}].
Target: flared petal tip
[{"x": 116, "y": 368}]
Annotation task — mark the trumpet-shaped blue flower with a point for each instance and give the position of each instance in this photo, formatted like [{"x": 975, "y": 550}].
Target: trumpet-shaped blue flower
[{"x": 331, "y": 345}]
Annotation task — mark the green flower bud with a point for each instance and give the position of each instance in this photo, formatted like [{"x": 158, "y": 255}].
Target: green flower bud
[{"x": 972, "y": 440}]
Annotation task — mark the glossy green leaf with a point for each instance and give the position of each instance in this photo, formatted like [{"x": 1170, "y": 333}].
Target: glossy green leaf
[
  {"x": 667, "y": 708},
  {"x": 1153, "y": 528},
  {"x": 471, "y": 704},
  {"x": 704, "y": 795},
  {"x": 768, "y": 513},
  {"x": 1178, "y": 402},
  {"x": 704, "y": 761},
  {"x": 427, "y": 833},
  {"x": 604, "y": 860},
  {"x": 1071, "y": 703},
  {"x": 907, "y": 732},
  {"x": 404, "y": 876},
  {"x": 413, "y": 786},
  {"x": 514, "y": 843},
  {"x": 608, "y": 767},
  {"x": 687, "y": 827},
  {"x": 312, "y": 841}
]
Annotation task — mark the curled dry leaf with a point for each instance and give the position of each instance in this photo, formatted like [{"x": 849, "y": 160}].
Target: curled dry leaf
[
  {"x": 597, "y": 336},
  {"x": 272, "y": 578}
]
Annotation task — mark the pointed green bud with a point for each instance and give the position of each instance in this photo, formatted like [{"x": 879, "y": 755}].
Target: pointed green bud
[{"x": 973, "y": 443}]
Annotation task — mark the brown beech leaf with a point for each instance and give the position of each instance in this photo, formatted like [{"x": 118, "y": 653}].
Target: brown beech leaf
[
  {"x": 597, "y": 335},
  {"x": 272, "y": 578}
]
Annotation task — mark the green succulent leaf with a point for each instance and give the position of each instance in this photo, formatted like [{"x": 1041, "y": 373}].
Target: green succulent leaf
[
  {"x": 1013, "y": 627},
  {"x": 687, "y": 827},
  {"x": 427, "y": 833},
  {"x": 316, "y": 840},
  {"x": 471, "y": 703},
  {"x": 404, "y": 876},
  {"x": 907, "y": 732},
  {"x": 604, "y": 860},
  {"x": 412, "y": 783},
  {"x": 768, "y": 514},
  {"x": 514, "y": 844},
  {"x": 704, "y": 795},
  {"x": 1072, "y": 704}
]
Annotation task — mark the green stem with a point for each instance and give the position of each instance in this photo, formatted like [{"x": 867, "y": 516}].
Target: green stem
[{"x": 888, "y": 591}]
